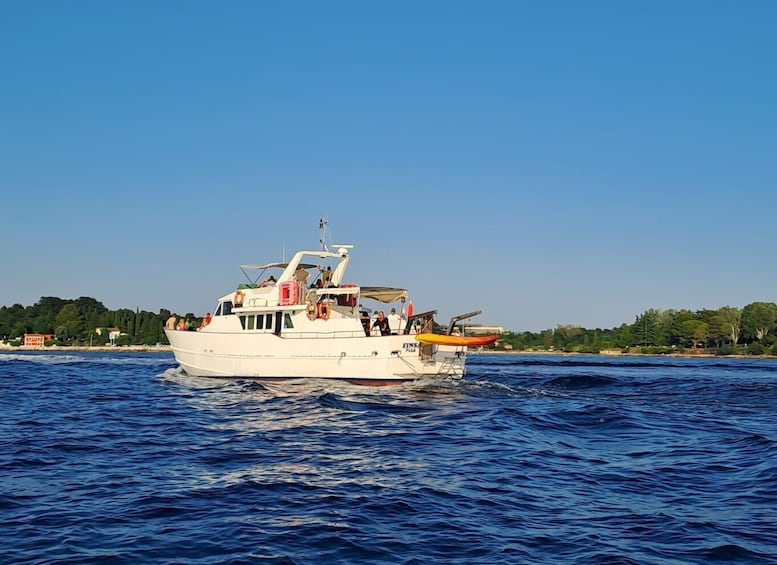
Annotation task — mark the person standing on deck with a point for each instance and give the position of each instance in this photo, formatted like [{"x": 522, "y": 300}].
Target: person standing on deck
[
  {"x": 382, "y": 324},
  {"x": 365, "y": 319},
  {"x": 395, "y": 321},
  {"x": 170, "y": 324}
]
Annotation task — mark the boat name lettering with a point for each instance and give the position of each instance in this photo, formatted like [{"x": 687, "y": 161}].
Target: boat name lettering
[{"x": 410, "y": 347}]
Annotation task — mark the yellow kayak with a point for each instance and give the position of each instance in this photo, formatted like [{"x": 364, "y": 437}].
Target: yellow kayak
[{"x": 461, "y": 340}]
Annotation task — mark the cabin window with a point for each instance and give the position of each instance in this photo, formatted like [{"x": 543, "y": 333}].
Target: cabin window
[
  {"x": 250, "y": 324},
  {"x": 242, "y": 321},
  {"x": 278, "y": 322},
  {"x": 218, "y": 310},
  {"x": 260, "y": 322},
  {"x": 227, "y": 308},
  {"x": 268, "y": 321},
  {"x": 287, "y": 323}
]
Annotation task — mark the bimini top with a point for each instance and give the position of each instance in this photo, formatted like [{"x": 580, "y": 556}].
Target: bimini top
[
  {"x": 383, "y": 293},
  {"x": 280, "y": 265},
  {"x": 379, "y": 293}
]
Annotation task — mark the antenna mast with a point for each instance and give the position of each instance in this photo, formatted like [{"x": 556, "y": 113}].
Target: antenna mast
[{"x": 322, "y": 225}]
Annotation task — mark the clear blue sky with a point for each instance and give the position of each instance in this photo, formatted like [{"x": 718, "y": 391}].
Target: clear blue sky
[{"x": 546, "y": 162}]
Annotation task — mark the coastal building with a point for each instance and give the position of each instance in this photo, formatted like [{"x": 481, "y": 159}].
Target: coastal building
[
  {"x": 113, "y": 333},
  {"x": 37, "y": 340},
  {"x": 477, "y": 329}
]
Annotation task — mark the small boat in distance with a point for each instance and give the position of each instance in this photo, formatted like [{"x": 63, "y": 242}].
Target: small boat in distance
[{"x": 286, "y": 328}]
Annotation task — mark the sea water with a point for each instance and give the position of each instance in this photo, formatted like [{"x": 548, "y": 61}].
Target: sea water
[{"x": 123, "y": 458}]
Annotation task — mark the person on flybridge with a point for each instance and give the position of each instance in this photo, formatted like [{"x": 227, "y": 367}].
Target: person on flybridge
[
  {"x": 326, "y": 277},
  {"x": 302, "y": 277}
]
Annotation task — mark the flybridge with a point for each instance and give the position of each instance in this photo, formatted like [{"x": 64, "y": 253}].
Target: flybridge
[
  {"x": 342, "y": 256},
  {"x": 296, "y": 262}
]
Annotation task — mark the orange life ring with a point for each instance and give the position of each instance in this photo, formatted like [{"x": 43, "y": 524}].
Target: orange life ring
[
  {"x": 312, "y": 311},
  {"x": 239, "y": 296},
  {"x": 323, "y": 310}
]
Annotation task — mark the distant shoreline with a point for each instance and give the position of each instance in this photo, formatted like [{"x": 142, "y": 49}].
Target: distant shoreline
[
  {"x": 168, "y": 349},
  {"x": 118, "y": 348},
  {"x": 577, "y": 354}
]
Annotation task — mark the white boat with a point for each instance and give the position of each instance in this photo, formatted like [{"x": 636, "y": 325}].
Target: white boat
[{"x": 288, "y": 330}]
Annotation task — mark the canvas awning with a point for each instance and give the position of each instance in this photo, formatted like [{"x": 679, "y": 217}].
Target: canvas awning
[
  {"x": 335, "y": 290},
  {"x": 379, "y": 293},
  {"x": 383, "y": 293},
  {"x": 276, "y": 266}
]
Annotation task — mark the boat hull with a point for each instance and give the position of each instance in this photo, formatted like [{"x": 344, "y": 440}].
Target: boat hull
[{"x": 364, "y": 360}]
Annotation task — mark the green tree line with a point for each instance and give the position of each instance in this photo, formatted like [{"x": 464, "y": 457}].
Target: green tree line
[
  {"x": 727, "y": 330},
  {"x": 74, "y": 322}
]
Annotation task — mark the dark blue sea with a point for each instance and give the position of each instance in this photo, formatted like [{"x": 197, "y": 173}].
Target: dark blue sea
[{"x": 122, "y": 458}]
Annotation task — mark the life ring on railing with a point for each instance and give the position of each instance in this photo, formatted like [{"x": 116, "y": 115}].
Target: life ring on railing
[
  {"x": 324, "y": 310},
  {"x": 239, "y": 296},
  {"x": 312, "y": 311}
]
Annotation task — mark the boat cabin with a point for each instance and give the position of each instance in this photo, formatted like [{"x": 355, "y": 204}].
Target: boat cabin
[{"x": 295, "y": 296}]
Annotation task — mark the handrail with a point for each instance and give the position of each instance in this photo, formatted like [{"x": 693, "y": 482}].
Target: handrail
[
  {"x": 324, "y": 335},
  {"x": 461, "y": 317},
  {"x": 420, "y": 315}
]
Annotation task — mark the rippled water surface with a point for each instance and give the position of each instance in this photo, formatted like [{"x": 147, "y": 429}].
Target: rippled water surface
[{"x": 121, "y": 458}]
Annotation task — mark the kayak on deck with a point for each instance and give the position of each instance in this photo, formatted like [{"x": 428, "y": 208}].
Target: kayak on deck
[{"x": 460, "y": 340}]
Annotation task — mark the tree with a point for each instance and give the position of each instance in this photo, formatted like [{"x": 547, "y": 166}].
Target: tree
[
  {"x": 701, "y": 333},
  {"x": 61, "y": 333},
  {"x": 92, "y": 312},
  {"x": 78, "y": 319},
  {"x": 758, "y": 319},
  {"x": 666, "y": 319},
  {"x": 70, "y": 319},
  {"x": 547, "y": 338},
  {"x": 565, "y": 335},
  {"x": 716, "y": 326},
  {"x": 732, "y": 318},
  {"x": 624, "y": 336},
  {"x": 646, "y": 328},
  {"x": 686, "y": 331}
]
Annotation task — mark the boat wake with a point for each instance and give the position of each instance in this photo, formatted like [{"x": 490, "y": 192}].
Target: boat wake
[
  {"x": 381, "y": 405},
  {"x": 41, "y": 358},
  {"x": 49, "y": 358},
  {"x": 178, "y": 376},
  {"x": 340, "y": 394},
  {"x": 581, "y": 381}
]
